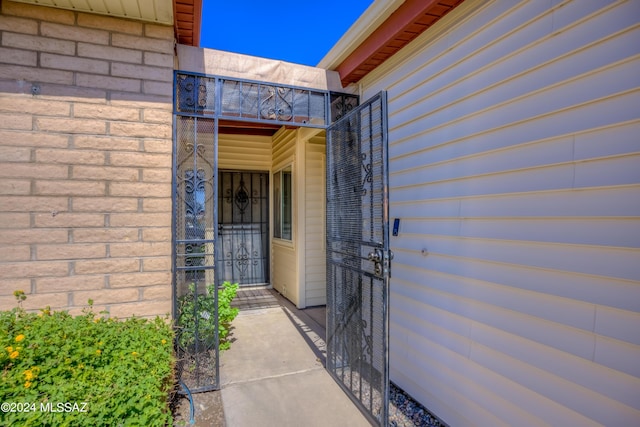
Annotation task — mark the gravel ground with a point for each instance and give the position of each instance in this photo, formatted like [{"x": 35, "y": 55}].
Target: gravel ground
[{"x": 406, "y": 412}]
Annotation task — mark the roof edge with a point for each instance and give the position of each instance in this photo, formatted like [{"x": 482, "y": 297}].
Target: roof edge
[
  {"x": 365, "y": 25},
  {"x": 374, "y": 39},
  {"x": 197, "y": 21}
]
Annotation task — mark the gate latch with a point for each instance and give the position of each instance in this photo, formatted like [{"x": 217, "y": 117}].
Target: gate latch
[{"x": 381, "y": 263}]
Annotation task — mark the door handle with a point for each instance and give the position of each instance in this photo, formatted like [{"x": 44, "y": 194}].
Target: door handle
[
  {"x": 375, "y": 256},
  {"x": 381, "y": 264}
]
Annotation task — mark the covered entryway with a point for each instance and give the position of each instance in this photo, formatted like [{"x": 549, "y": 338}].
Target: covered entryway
[
  {"x": 234, "y": 139},
  {"x": 263, "y": 225}
]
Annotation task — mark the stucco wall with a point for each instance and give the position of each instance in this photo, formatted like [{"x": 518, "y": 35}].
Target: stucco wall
[
  {"x": 85, "y": 161},
  {"x": 514, "y": 168}
]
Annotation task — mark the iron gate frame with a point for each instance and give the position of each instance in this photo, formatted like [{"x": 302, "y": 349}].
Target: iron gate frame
[
  {"x": 336, "y": 105},
  {"x": 346, "y": 328},
  {"x": 184, "y": 355}
]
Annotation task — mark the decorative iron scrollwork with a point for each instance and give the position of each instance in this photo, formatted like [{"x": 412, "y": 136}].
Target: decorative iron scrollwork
[
  {"x": 194, "y": 255},
  {"x": 341, "y": 104},
  {"x": 192, "y": 94},
  {"x": 241, "y": 197},
  {"x": 367, "y": 179},
  {"x": 276, "y": 103},
  {"x": 195, "y": 186},
  {"x": 242, "y": 260}
]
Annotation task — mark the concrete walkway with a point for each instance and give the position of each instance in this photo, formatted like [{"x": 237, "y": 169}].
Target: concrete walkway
[{"x": 273, "y": 375}]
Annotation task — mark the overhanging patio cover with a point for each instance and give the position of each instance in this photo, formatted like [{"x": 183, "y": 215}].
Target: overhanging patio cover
[{"x": 234, "y": 65}]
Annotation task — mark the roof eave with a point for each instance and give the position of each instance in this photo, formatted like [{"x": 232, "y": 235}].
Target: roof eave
[
  {"x": 188, "y": 21},
  {"x": 374, "y": 38},
  {"x": 366, "y": 24}
]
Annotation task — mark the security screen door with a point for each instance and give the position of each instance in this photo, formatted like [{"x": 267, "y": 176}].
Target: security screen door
[
  {"x": 242, "y": 247},
  {"x": 358, "y": 256}
]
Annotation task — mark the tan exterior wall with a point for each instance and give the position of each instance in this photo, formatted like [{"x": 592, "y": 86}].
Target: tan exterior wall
[
  {"x": 244, "y": 152},
  {"x": 85, "y": 161},
  {"x": 515, "y": 169},
  {"x": 298, "y": 266},
  {"x": 284, "y": 265},
  {"x": 314, "y": 256}
]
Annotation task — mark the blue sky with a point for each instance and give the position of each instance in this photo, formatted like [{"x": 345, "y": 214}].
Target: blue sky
[{"x": 300, "y": 31}]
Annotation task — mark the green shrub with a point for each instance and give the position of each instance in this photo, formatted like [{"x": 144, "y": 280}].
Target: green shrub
[
  {"x": 204, "y": 306},
  {"x": 106, "y": 372},
  {"x": 226, "y": 312}
]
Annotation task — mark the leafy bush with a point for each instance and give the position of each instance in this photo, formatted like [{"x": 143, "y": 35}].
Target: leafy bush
[
  {"x": 198, "y": 312},
  {"x": 84, "y": 370}
]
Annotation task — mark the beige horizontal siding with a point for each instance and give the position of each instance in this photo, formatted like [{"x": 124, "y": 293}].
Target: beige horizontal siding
[
  {"x": 283, "y": 148},
  {"x": 284, "y": 273},
  {"x": 515, "y": 168},
  {"x": 284, "y": 269},
  {"x": 244, "y": 152},
  {"x": 315, "y": 256}
]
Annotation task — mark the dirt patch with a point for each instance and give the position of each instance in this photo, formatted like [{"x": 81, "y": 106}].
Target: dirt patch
[{"x": 208, "y": 410}]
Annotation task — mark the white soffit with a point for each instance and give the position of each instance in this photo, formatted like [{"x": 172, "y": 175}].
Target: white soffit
[
  {"x": 158, "y": 11},
  {"x": 366, "y": 24}
]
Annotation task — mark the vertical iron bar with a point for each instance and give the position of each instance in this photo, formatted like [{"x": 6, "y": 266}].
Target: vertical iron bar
[
  {"x": 197, "y": 282},
  {"x": 218, "y": 106},
  {"x": 174, "y": 190},
  {"x": 371, "y": 234},
  {"x": 218, "y": 97},
  {"x": 241, "y": 104},
  {"x": 386, "y": 253}
]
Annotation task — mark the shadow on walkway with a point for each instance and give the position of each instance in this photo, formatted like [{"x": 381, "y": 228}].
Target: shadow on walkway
[{"x": 274, "y": 374}]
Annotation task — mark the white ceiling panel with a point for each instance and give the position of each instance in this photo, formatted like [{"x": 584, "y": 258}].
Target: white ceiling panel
[{"x": 158, "y": 11}]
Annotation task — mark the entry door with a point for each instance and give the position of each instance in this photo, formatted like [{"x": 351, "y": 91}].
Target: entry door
[
  {"x": 243, "y": 227},
  {"x": 358, "y": 257}
]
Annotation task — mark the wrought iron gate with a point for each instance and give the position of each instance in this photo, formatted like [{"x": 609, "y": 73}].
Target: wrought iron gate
[
  {"x": 243, "y": 227},
  {"x": 200, "y": 102},
  {"x": 358, "y": 256},
  {"x": 196, "y": 299}
]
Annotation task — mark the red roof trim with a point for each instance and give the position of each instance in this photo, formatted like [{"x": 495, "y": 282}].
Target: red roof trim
[
  {"x": 411, "y": 19},
  {"x": 188, "y": 20},
  {"x": 197, "y": 21}
]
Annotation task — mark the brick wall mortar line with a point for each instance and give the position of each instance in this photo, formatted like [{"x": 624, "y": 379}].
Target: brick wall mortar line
[{"x": 43, "y": 181}]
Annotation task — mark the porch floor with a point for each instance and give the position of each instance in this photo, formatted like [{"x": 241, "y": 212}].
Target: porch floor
[{"x": 274, "y": 373}]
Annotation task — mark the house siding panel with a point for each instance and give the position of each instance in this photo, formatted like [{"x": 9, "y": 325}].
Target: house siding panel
[
  {"x": 244, "y": 152},
  {"x": 284, "y": 255},
  {"x": 315, "y": 256},
  {"x": 514, "y": 153},
  {"x": 91, "y": 158}
]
